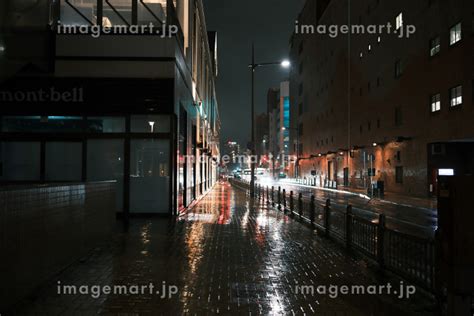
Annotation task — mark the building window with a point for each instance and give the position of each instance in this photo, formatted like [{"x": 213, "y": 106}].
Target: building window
[
  {"x": 105, "y": 124},
  {"x": 455, "y": 34},
  {"x": 435, "y": 103},
  {"x": 435, "y": 46},
  {"x": 399, "y": 175},
  {"x": 63, "y": 161},
  {"x": 455, "y": 95},
  {"x": 149, "y": 168},
  {"x": 379, "y": 39},
  {"x": 301, "y": 68},
  {"x": 399, "y": 21},
  {"x": 300, "y": 108},
  {"x": 371, "y": 172},
  {"x": 398, "y": 116},
  {"x": 378, "y": 123},
  {"x": 20, "y": 161},
  {"x": 361, "y": 55},
  {"x": 105, "y": 162},
  {"x": 43, "y": 124},
  {"x": 300, "y": 89}
]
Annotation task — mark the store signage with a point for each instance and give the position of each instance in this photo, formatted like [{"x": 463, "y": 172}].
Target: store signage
[{"x": 51, "y": 94}]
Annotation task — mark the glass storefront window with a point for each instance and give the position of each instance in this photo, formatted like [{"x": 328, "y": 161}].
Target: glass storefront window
[
  {"x": 42, "y": 124},
  {"x": 150, "y": 124},
  {"x": 105, "y": 162},
  {"x": 79, "y": 12},
  {"x": 63, "y": 161},
  {"x": 106, "y": 124},
  {"x": 149, "y": 176},
  {"x": 20, "y": 161}
]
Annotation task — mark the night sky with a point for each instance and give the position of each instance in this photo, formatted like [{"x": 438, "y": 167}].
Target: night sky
[{"x": 269, "y": 23}]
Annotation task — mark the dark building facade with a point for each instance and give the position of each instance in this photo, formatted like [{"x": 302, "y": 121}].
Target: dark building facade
[
  {"x": 376, "y": 107},
  {"x": 132, "y": 106}
]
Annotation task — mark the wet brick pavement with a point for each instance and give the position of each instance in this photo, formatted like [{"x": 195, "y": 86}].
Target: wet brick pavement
[{"x": 228, "y": 257}]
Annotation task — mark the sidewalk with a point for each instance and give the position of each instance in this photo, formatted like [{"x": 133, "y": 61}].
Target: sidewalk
[{"x": 227, "y": 256}]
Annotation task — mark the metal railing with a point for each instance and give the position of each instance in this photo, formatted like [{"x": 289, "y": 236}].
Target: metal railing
[{"x": 412, "y": 258}]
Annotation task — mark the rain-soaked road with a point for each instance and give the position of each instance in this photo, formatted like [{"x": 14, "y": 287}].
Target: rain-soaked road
[
  {"x": 413, "y": 220},
  {"x": 226, "y": 257}
]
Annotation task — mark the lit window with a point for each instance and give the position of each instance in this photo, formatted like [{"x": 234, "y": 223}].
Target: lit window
[
  {"x": 379, "y": 39},
  {"x": 361, "y": 55},
  {"x": 370, "y": 47},
  {"x": 399, "y": 21},
  {"x": 456, "y": 96},
  {"x": 435, "y": 46},
  {"x": 435, "y": 103},
  {"x": 455, "y": 34}
]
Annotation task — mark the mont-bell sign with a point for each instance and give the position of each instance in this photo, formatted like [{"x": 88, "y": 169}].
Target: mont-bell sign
[{"x": 42, "y": 95}]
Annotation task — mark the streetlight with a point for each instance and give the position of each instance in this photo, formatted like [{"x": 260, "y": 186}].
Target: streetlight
[
  {"x": 253, "y": 66},
  {"x": 286, "y": 64}
]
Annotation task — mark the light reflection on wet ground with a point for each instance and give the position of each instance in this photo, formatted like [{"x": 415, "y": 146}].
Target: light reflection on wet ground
[{"x": 227, "y": 256}]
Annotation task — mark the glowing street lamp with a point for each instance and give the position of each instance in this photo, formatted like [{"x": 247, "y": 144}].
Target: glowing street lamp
[{"x": 286, "y": 64}]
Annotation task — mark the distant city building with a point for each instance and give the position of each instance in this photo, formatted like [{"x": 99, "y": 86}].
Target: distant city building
[
  {"x": 278, "y": 106},
  {"x": 233, "y": 152},
  {"x": 384, "y": 110},
  {"x": 261, "y": 134}
]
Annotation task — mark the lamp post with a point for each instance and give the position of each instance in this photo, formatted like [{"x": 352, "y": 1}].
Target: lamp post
[
  {"x": 253, "y": 66},
  {"x": 297, "y": 130}
]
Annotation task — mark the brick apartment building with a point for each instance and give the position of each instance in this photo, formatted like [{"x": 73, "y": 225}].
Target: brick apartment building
[{"x": 376, "y": 107}]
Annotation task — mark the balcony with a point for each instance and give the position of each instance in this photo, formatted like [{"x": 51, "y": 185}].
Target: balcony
[
  {"x": 109, "y": 13},
  {"x": 92, "y": 32}
]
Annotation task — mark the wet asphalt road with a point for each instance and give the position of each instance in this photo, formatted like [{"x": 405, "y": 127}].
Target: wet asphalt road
[{"x": 412, "y": 220}]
